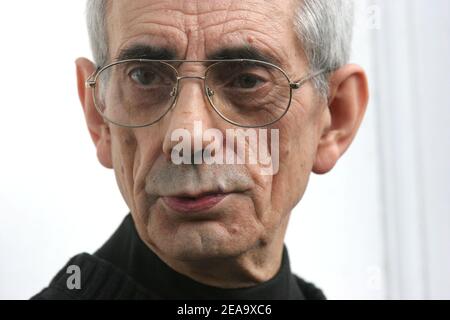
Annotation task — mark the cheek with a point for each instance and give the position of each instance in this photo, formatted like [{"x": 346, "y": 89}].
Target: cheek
[
  {"x": 147, "y": 151},
  {"x": 299, "y": 129},
  {"x": 298, "y": 143},
  {"x": 124, "y": 148},
  {"x": 132, "y": 158}
]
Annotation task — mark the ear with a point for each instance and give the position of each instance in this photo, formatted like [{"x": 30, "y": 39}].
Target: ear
[
  {"x": 348, "y": 98},
  {"x": 98, "y": 129}
]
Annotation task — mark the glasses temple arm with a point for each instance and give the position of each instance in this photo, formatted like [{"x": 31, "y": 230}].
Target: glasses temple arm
[
  {"x": 91, "y": 80},
  {"x": 298, "y": 84}
]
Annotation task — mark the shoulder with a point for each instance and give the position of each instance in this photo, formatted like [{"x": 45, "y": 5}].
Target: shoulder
[
  {"x": 309, "y": 290},
  {"x": 87, "y": 277}
]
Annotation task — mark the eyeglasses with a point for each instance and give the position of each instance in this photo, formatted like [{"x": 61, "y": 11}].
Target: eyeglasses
[{"x": 140, "y": 92}]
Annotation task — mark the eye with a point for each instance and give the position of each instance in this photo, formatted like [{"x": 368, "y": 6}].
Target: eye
[
  {"x": 247, "y": 81},
  {"x": 144, "y": 76}
]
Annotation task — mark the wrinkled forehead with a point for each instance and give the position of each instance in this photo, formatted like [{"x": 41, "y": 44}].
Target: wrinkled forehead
[{"x": 191, "y": 29}]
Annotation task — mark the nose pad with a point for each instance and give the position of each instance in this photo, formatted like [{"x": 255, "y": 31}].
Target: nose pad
[
  {"x": 173, "y": 93},
  {"x": 209, "y": 92}
]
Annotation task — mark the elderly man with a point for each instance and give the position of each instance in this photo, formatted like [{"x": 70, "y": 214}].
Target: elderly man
[{"x": 174, "y": 82}]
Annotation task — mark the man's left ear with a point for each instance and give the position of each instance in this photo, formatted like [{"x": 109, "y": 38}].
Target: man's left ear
[{"x": 347, "y": 102}]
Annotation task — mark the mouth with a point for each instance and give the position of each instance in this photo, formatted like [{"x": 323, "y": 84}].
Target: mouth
[{"x": 197, "y": 203}]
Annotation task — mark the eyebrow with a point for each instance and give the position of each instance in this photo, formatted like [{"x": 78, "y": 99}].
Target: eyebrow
[
  {"x": 141, "y": 51},
  {"x": 243, "y": 52}
]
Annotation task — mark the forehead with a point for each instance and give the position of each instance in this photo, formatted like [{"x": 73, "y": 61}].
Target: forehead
[{"x": 194, "y": 29}]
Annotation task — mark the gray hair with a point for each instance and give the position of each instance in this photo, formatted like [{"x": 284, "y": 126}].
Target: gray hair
[
  {"x": 96, "y": 12},
  {"x": 324, "y": 28}
]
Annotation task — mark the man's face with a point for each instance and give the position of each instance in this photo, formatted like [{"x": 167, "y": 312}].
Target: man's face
[{"x": 255, "y": 208}]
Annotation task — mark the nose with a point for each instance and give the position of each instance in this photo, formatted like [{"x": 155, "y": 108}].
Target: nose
[{"x": 188, "y": 119}]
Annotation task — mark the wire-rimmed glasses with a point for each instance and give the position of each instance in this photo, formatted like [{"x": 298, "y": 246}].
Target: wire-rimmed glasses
[{"x": 244, "y": 92}]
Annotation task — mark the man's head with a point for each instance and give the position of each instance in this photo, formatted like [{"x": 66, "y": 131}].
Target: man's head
[{"x": 252, "y": 210}]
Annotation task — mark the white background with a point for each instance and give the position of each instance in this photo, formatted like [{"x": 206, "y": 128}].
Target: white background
[{"x": 377, "y": 227}]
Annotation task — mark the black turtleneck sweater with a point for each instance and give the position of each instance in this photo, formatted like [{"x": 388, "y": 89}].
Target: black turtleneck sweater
[{"x": 125, "y": 268}]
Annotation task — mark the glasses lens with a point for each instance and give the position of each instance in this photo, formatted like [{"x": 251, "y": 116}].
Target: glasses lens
[
  {"x": 135, "y": 93},
  {"x": 248, "y": 93}
]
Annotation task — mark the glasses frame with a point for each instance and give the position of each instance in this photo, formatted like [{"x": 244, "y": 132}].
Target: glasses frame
[{"x": 91, "y": 83}]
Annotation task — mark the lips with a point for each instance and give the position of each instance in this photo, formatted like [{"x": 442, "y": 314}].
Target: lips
[{"x": 186, "y": 204}]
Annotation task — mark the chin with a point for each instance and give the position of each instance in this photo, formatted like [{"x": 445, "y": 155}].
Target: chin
[{"x": 206, "y": 240}]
